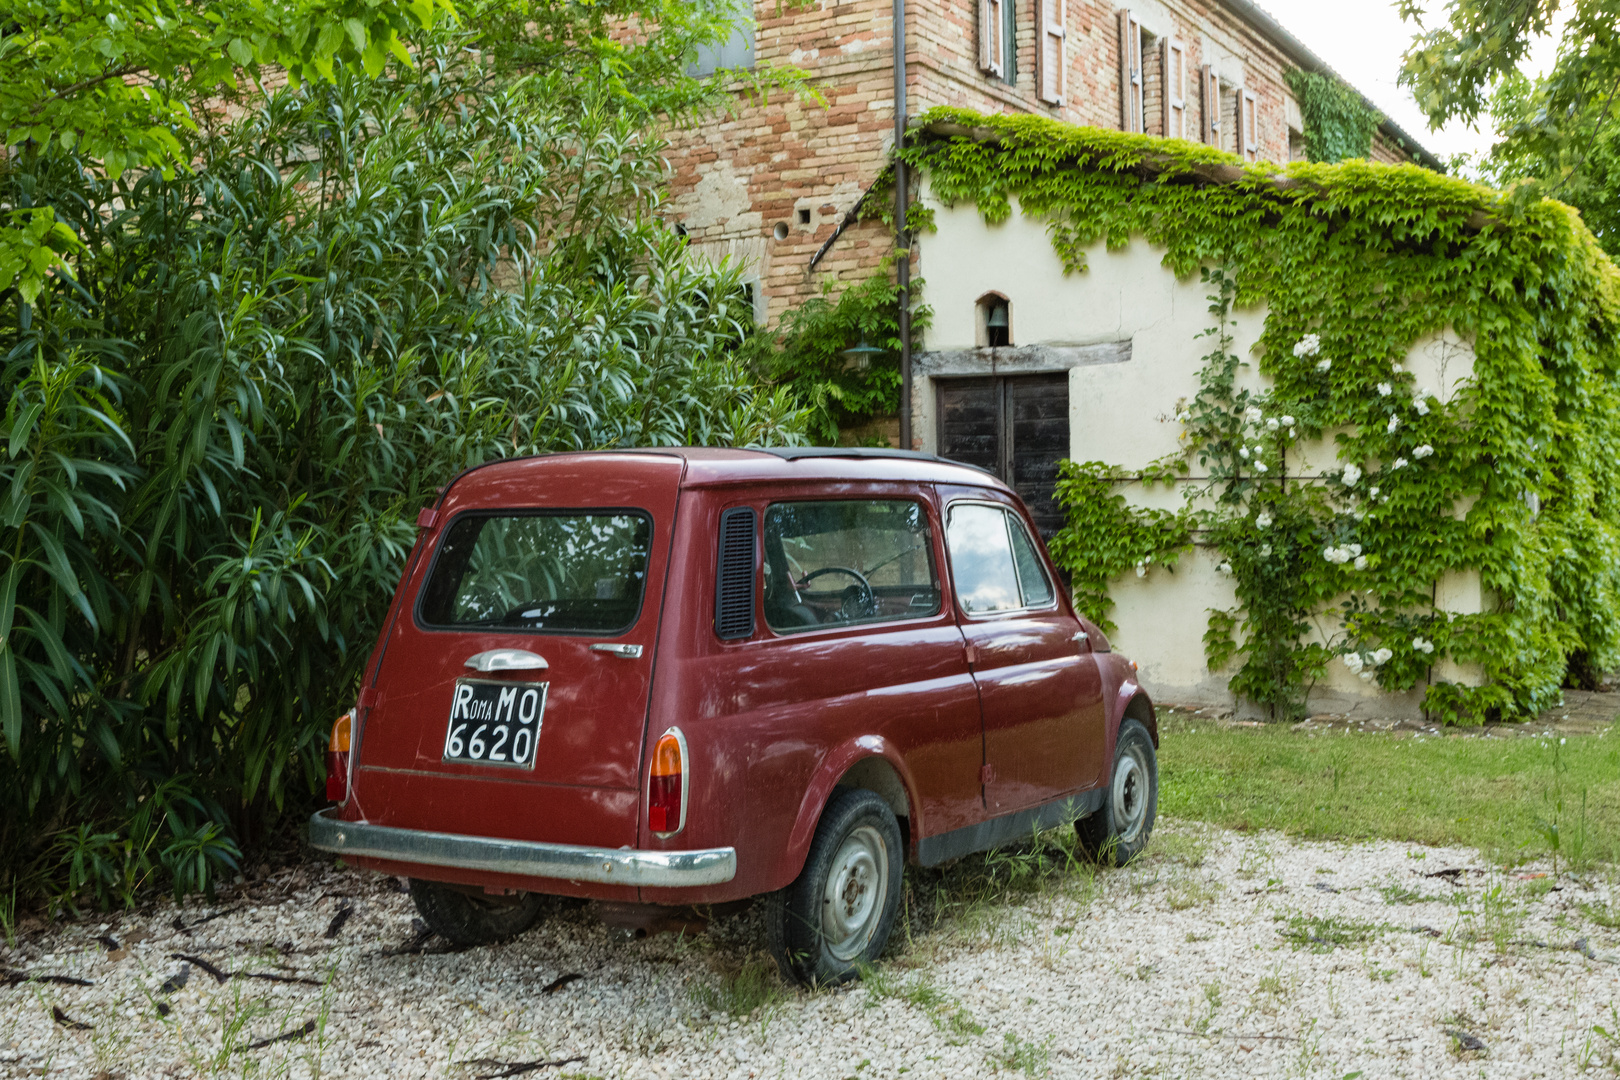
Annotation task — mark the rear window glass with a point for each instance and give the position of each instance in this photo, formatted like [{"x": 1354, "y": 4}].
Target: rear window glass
[
  {"x": 838, "y": 563},
  {"x": 578, "y": 573}
]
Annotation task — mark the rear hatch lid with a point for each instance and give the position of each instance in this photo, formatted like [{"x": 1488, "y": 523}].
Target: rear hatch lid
[{"x": 512, "y": 693}]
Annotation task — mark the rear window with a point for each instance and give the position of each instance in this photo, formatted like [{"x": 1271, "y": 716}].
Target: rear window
[{"x": 568, "y": 572}]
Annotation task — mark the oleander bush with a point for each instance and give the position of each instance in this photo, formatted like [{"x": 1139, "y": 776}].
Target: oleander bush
[{"x": 219, "y": 431}]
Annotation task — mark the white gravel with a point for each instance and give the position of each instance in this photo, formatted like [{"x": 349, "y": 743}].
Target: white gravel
[{"x": 1179, "y": 966}]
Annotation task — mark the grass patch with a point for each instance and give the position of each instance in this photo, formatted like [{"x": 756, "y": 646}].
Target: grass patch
[
  {"x": 1324, "y": 934},
  {"x": 740, "y": 993},
  {"x": 921, "y": 993},
  {"x": 1395, "y": 892},
  {"x": 1512, "y": 799},
  {"x": 1025, "y": 1055},
  {"x": 1605, "y": 915}
]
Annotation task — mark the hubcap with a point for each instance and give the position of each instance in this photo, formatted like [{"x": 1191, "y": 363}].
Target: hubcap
[
  {"x": 1130, "y": 795},
  {"x": 857, "y": 892}
]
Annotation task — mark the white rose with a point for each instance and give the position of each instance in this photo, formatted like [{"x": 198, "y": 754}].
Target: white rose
[
  {"x": 1381, "y": 657},
  {"x": 1253, "y": 415},
  {"x": 1366, "y": 676},
  {"x": 1224, "y": 568},
  {"x": 1355, "y": 549},
  {"x": 1272, "y": 425},
  {"x": 1141, "y": 570},
  {"x": 1260, "y": 466},
  {"x": 1361, "y": 562},
  {"x": 1420, "y": 406},
  {"x": 1264, "y": 520},
  {"x": 1291, "y": 433},
  {"x": 1422, "y": 645},
  {"x": 1353, "y": 661},
  {"x": 1384, "y": 389},
  {"x": 1393, "y": 425},
  {"x": 1309, "y": 345},
  {"x": 1288, "y": 420},
  {"x": 1323, "y": 365},
  {"x": 1352, "y": 473},
  {"x": 1265, "y": 551},
  {"x": 1400, "y": 463},
  {"x": 1397, "y": 367},
  {"x": 1373, "y": 494},
  {"x": 1423, "y": 451},
  {"x": 1243, "y": 452}
]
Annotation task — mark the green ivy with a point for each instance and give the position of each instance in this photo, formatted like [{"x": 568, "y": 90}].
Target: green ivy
[
  {"x": 806, "y": 352},
  {"x": 1338, "y": 123},
  {"x": 1515, "y": 476}
]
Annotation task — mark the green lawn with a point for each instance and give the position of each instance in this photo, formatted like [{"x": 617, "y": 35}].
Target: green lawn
[{"x": 1511, "y": 798}]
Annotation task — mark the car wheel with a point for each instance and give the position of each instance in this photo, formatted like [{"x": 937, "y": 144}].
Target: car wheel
[
  {"x": 465, "y": 918},
  {"x": 1118, "y": 831},
  {"x": 837, "y": 915}
]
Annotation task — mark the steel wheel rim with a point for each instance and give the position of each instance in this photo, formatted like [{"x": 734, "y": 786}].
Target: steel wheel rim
[
  {"x": 1129, "y": 793},
  {"x": 856, "y": 893}
]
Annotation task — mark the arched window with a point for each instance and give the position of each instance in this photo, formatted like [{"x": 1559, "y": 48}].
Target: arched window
[{"x": 994, "y": 320}]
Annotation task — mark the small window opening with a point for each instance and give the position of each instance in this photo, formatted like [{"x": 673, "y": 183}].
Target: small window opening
[
  {"x": 680, "y": 230},
  {"x": 994, "y": 321},
  {"x": 804, "y": 217}
]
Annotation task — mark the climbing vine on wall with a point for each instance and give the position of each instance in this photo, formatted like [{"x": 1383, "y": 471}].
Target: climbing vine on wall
[
  {"x": 1338, "y": 123},
  {"x": 1512, "y": 473}
]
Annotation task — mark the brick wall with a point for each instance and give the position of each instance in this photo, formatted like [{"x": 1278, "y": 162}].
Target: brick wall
[{"x": 769, "y": 185}]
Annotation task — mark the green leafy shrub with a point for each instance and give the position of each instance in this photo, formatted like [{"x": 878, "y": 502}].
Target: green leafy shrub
[{"x": 218, "y": 433}]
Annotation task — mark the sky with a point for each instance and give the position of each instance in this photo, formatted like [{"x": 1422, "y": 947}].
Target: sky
[{"x": 1363, "y": 41}]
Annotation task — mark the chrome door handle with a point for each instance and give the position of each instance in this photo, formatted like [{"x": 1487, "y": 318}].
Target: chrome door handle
[
  {"x": 1080, "y": 635},
  {"x": 507, "y": 660},
  {"x": 629, "y": 652}
]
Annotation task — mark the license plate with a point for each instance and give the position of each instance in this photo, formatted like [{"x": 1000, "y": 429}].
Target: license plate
[{"x": 494, "y": 722}]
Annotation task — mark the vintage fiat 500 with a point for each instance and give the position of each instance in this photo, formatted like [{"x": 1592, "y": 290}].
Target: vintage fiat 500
[{"x": 663, "y": 679}]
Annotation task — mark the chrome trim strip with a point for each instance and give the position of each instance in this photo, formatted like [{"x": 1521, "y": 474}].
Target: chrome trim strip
[{"x": 569, "y": 862}]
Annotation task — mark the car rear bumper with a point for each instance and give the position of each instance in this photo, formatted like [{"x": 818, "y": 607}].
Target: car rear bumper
[{"x": 568, "y": 862}]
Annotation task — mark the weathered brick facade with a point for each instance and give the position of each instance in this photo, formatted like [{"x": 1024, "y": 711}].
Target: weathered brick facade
[{"x": 770, "y": 184}]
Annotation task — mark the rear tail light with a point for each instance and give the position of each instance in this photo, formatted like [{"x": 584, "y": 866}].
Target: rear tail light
[
  {"x": 337, "y": 759},
  {"x": 666, "y": 786}
]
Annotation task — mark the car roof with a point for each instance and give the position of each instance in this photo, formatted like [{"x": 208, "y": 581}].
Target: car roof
[{"x": 715, "y": 466}]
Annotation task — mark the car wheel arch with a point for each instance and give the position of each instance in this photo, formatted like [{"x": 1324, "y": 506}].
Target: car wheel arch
[
  {"x": 869, "y": 762},
  {"x": 1140, "y": 708}
]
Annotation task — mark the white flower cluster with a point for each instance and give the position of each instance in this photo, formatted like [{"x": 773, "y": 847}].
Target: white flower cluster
[
  {"x": 1323, "y": 365},
  {"x": 1352, "y": 473},
  {"x": 1423, "y": 451},
  {"x": 1253, "y": 415},
  {"x": 1288, "y": 422},
  {"x": 1361, "y": 664},
  {"x": 1344, "y": 553},
  {"x": 1224, "y": 568},
  {"x": 1420, "y": 403},
  {"x": 1400, "y": 463},
  {"x": 1384, "y": 389},
  {"x": 1272, "y": 424},
  {"x": 1309, "y": 345},
  {"x": 1141, "y": 569},
  {"x": 1393, "y": 425},
  {"x": 1423, "y": 645},
  {"x": 1263, "y": 520}
]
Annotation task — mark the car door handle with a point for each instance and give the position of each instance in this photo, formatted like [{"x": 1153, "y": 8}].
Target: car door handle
[
  {"x": 629, "y": 652},
  {"x": 507, "y": 660},
  {"x": 1080, "y": 635}
]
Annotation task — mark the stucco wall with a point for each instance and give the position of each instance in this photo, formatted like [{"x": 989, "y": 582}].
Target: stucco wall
[{"x": 1127, "y": 332}]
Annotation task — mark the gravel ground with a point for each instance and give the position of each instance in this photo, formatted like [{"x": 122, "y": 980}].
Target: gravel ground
[{"x": 1219, "y": 954}]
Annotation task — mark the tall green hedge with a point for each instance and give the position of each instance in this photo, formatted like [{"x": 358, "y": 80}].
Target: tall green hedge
[{"x": 1355, "y": 262}]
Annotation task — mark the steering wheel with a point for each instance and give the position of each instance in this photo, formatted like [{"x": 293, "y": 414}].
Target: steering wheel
[{"x": 859, "y": 601}]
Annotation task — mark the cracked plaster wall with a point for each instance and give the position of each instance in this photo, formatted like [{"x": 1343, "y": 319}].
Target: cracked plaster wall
[{"x": 1127, "y": 331}]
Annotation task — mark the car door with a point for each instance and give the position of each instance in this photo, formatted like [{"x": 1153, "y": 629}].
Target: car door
[{"x": 1040, "y": 692}]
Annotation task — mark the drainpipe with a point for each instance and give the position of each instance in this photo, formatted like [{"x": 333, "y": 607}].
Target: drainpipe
[{"x": 902, "y": 241}]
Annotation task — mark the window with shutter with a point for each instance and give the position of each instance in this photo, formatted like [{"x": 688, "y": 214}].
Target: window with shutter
[
  {"x": 1052, "y": 57},
  {"x": 1212, "y": 106},
  {"x": 734, "y": 585},
  {"x": 1248, "y": 140},
  {"x": 991, "y": 29},
  {"x": 1130, "y": 72},
  {"x": 1173, "y": 64}
]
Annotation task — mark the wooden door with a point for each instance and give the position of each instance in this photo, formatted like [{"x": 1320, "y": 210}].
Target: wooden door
[{"x": 1015, "y": 426}]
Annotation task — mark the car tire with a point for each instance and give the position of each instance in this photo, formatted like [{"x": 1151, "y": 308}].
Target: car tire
[
  {"x": 836, "y": 916},
  {"x": 463, "y": 918},
  {"x": 1117, "y": 831}
]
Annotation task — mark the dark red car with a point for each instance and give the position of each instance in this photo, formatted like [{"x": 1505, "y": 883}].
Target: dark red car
[{"x": 672, "y": 678}]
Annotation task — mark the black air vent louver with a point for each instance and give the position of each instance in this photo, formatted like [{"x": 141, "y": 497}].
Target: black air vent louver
[{"x": 734, "y": 582}]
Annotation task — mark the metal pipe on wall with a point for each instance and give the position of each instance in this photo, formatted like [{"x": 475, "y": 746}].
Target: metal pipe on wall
[{"x": 902, "y": 241}]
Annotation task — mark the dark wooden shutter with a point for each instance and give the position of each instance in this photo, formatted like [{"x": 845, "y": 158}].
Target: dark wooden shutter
[
  {"x": 970, "y": 422},
  {"x": 1037, "y": 422},
  {"x": 734, "y": 579}
]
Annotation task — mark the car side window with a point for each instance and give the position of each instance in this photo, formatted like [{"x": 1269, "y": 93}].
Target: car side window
[
  {"x": 982, "y": 559},
  {"x": 1033, "y": 583},
  {"x": 994, "y": 561},
  {"x": 844, "y": 562}
]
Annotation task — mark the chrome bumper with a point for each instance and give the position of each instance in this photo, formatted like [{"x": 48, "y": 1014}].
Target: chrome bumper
[{"x": 569, "y": 862}]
